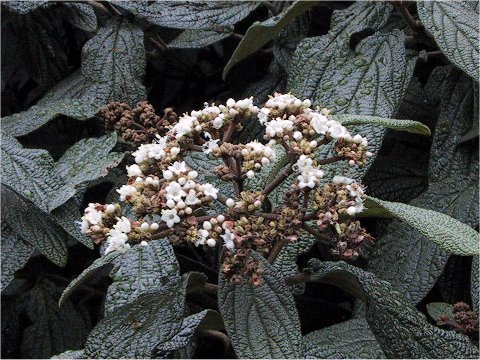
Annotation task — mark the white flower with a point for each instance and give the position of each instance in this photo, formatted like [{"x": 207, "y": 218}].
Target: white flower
[
  {"x": 309, "y": 175},
  {"x": 210, "y": 145},
  {"x": 209, "y": 190},
  {"x": 230, "y": 102},
  {"x": 144, "y": 243},
  {"x": 84, "y": 226},
  {"x": 250, "y": 174},
  {"x": 263, "y": 115},
  {"x": 174, "y": 191},
  {"x": 154, "y": 226},
  {"x": 192, "y": 198},
  {"x": 144, "y": 226},
  {"x": 211, "y": 242},
  {"x": 178, "y": 167},
  {"x": 123, "y": 225},
  {"x": 230, "y": 203},
  {"x": 125, "y": 191},
  {"x": 117, "y": 240},
  {"x": 342, "y": 180},
  {"x": 228, "y": 239},
  {"x": 167, "y": 174},
  {"x": 184, "y": 126},
  {"x": 170, "y": 217},
  {"x": 337, "y": 131},
  {"x": 319, "y": 123},
  {"x": 92, "y": 216},
  {"x": 134, "y": 170},
  {"x": 110, "y": 208},
  {"x": 278, "y": 127},
  {"x": 218, "y": 121}
]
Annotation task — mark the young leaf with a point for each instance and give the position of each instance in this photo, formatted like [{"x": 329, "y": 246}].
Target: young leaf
[
  {"x": 198, "y": 38},
  {"x": 142, "y": 269},
  {"x": 445, "y": 231},
  {"x": 262, "y": 322},
  {"x": 87, "y": 273},
  {"x": 454, "y": 25},
  {"x": 190, "y": 15},
  {"x": 136, "y": 329},
  {"x": 351, "y": 339},
  {"x": 15, "y": 254},
  {"x": 36, "y": 116},
  {"x": 34, "y": 226},
  {"x": 261, "y": 33},
  {"x": 439, "y": 309},
  {"x": 400, "y": 329},
  {"x": 414, "y": 127}
]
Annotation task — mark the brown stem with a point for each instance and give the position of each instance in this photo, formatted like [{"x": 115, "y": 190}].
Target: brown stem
[
  {"x": 276, "y": 250},
  {"x": 222, "y": 199},
  {"x": 330, "y": 160},
  {"x": 269, "y": 216},
  {"x": 413, "y": 24},
  {"x": 286, "y": 172},
  {"x": 201, "y": 219},
  {"x": 227, "y": 135},
  {"x": 162, "y": 234},
  {"x": 318, "y": 235},
  {"x": 194, "y": 147}
]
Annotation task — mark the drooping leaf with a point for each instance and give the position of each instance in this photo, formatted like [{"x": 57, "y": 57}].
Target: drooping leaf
[
  {"x": 439, "y": 309},
  {"x": 411, "y": 126},
  {"x": 15, "y": 254},
  {"x": 30, "y": 172},
  {"x": 400, "y": 329},
  {"x": 27, "y": 121},
  {"x": 445, "y": 231},
  {"x": 138, "y": 328},
  {"x": 351, "y": 339},
  {"x": 113, "y": 63},
  {"x": 142, "y": 269},
  {"x": 261, "y": 33},
  {"x": 452, "y": 190},
  {"x": 80, "y": 15},
  {"x": 34, "y": 226},
  {"x": 190, "y": 14},
  {"x": 198, "y": 38},
  {"x": 87, "y": 273},
  {"x": 474, "y": 283},
  {"x": 88, "y": 159},
  {"x": 262, "y": 322},
  {"x": 454, "y": 25},
  {"x": 52, "y": 330}
]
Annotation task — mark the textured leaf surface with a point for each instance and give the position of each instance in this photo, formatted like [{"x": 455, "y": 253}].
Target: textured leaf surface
[
  {"x": 190, "y": 14},
  {"x": 136, "y": 329},
  {"x": 474, "y": 283},
  {"x": 141, "y": 269},
  {"x": 52, "y": 329},
  {"x": 262, "y": 322},
  {"x": 438, "y": 309},
  {"x": 452, "y": 190},
  {"x": 27, "y": 121},
  {"x": 34, "y": 226},
  {"x": 23, "y": 7},
  {"x": 71, "y": 354},
  {"x": 81, "y": 16},
  {"x": 113, "y": 63},
  {"x": 351, "y": 339},
  {"x": 448, "y": 233},
  {"x": 401, "y": 330},
  {"x": 399, "y": 125},
  {"x": 87, "y": 273},
  {"x": 261, "y": 33},
  {"x": 88, "y": 159},
  {"x": 15, "y": 254},
  {"x": 454, "y": 25},
  {"x": 30, "y": 173},
  {"x": 198, "y": 38}
]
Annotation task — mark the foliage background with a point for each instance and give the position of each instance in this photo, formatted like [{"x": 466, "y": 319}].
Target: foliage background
[{"x": 61, "y": 61}]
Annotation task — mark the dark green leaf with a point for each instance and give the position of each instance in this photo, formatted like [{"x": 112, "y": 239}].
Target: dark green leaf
[
  {"x": 262, "y": 321},
  {"x": 351, "y": 339},
  {"x": 401, "y": 330},
  {"x": 454, "y": 25},
  {"x": 53, "y": 329},
  {"x": 71, "y": 354},
  {"x": 198, "y": 38},
  {"x": 36, "y": 116},
  {"x": 23, "y": 7},
  {"x": 261, "y": 33},
  {"x": 474, "y": 283},
  {"x": 87, "y": 273},
  {"x": 439, "y": 309},
  {"x": 81, "y": 16},
  {"x": 15, "y": 254},
  {"x": 142, "y": 269},
  {"x": 34, "y": 226},
  {"x": 190, "y": 14}
]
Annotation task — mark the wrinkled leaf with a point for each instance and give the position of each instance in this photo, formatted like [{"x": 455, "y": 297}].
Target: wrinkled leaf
[
  {"x": 439, "y": 309},
  {"x": 198, "y": 38},
  {"x": 71, "y": 354},
  {"x": 23, "y": 7},
  {"x": 87, "y": 273},
  {"x": 81, "y": 16},
  {"x": 454, "y": 25},
  {"x": 142, "y": 269},
  {"x": 474, "y": 283},
  {"x": 34, "y": 226},
  {"x": 401, "y": 330},
  {"x": 351, "y": 339},
  {"x": 262, "y": 322},
  {"x": 261, "y": 33}
]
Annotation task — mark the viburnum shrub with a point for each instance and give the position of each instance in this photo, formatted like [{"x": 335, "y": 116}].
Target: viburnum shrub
[{"x": 171, "y": 198}]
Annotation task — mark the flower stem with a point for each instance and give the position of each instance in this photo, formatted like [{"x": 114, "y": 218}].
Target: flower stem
[
  {"x": 276, "y": 250},
  {"x": 286, "y": 172}
]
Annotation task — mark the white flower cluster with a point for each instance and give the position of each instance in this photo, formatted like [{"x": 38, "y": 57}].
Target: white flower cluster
[
  {"x": 281, "y": 102},
  {"x": 218, "y": 225},
  {"x": 93, "y": 215},
  {"x": 118, "y": 236},
  {"x": 156, "y": 150},
  {"x": 355, "y": 191},
  {"x": 257, "y": 155},
  {"x": 309, "y": 175},
  {"x": 213, "y": 115},
  {"x": 182, "y": 192}
]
